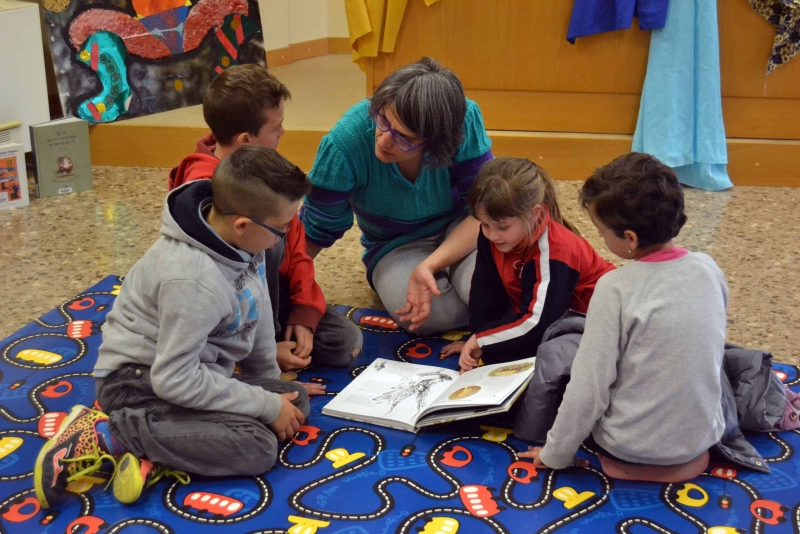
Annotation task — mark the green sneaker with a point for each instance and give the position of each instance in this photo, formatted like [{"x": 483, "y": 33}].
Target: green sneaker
[
  {"x": 134, "y": 475},
  {"x": 71, "y": 461}
]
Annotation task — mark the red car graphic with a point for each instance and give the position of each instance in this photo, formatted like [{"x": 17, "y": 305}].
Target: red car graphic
[
  {"x": 380, "y": 322},
  {"x": 479, "y": 501},
  {"x": 49, "y": 423},
  {"x": 80, "y": 329},
  {"x": 216, "y": 505}
]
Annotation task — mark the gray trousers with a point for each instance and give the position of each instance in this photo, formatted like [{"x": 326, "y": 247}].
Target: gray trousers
[
  {"x": 335, "y": 338},
  {"x": 392, "y": 273},
  {"x": 273, "y": 257},
  {"x": 195, "y": 441}
]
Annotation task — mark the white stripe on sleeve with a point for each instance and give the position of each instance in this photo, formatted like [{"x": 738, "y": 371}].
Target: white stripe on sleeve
[{"x": 536, "y": 315}]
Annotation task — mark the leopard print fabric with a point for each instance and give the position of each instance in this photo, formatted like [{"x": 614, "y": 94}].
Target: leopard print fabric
[{"x": 785, "y": 16}]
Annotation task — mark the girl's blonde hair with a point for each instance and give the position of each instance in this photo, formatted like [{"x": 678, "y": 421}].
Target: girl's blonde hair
[{"x": 512, "y": 187}]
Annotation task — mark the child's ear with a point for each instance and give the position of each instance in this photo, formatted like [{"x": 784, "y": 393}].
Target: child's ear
[
  {"x": 240, "y": 224},
  {"x": 632, "y": 240},
  {"x": 241, "y": 139},
  {"x": 535, "y": 217}
]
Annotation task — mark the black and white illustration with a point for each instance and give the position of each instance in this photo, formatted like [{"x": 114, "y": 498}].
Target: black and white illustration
[{"x": 417, "y": 386}]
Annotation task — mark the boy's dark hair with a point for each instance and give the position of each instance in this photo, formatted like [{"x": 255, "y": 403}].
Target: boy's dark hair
[
  {"x": 236, "y": 101},
  {"x": 639, "y": 193},
  {"x": 254, "y": 180},
  {"x": 429, "y": 100}
]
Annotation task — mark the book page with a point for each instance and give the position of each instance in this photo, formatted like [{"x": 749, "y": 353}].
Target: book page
[
  {"x": 486, "y": 385},
  {"x": 392, "y": 391}
]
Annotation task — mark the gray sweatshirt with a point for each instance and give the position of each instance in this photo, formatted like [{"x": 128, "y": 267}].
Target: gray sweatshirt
[
  {"x": 191, "y": 309},
  {"x": 646, "y": 378}
]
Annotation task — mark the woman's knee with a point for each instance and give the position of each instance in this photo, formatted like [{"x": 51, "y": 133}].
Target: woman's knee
[
  {"x": 392, "y": 273},
  {"x": 461, "y": 275}
]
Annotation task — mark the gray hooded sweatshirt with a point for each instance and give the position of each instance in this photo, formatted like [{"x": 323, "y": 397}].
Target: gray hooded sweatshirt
[{"x": 191, "y": 309}]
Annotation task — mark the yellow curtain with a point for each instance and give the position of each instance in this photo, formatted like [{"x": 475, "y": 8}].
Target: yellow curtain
[{"x": 373, "y": 25}]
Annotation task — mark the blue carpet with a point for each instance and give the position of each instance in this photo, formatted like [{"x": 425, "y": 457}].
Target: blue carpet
[{"x": 458, "y": 478}]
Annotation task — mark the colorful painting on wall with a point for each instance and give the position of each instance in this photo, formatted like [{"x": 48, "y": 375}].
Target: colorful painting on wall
[{"x": 118, "y": 59}]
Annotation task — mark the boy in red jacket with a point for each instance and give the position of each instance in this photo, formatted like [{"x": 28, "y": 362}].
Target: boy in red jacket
[{"x": 244, "y": 105}]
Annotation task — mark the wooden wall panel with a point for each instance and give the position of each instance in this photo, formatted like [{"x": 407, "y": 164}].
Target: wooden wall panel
[
  {"x": 566, "y": 156},
  {"x": 762, "y": 118},
  {"x": 517, "y": 45},
  {"x": 142, "y": 146},
  {"x": 165, "y": 146},
  {"x": 574, "y": 156},
  {"x": 757, "y": 118},
  {"x": 745, "y": 41},
  {"x": 764, "y": 163},
  {"x": 513, "y": 59},
  {"x": 558, "y": 111}
]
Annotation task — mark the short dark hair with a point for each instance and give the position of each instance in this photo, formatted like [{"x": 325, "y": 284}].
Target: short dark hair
[
  {"x": 429, "y": 100},
  {"x": 236, "y": 101},
  {"x": 639, "y": 193},
  {"x": 253, "y": 179}
]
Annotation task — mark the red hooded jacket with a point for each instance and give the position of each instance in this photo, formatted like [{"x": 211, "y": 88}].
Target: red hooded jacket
[{"x": 308, "y": 302}]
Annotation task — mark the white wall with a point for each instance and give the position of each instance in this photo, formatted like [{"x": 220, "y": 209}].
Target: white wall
[
  {"x": 308, "y": 20},
  {"x": 337, "y": 19},
  {"x": 286, "y": 22},
  {"x": 274, "y": 23},
  {"x": 23, "y": 86}
]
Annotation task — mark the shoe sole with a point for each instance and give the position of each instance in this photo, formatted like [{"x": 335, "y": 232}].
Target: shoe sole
[
  {"x": 121, "y": 480},
  {"x": 37, "y": 470}
]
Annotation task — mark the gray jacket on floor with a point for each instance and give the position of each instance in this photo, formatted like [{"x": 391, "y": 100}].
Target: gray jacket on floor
[{"x": 753, "y": 398}]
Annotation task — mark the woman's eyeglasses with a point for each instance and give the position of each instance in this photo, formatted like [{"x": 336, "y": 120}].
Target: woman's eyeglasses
[{"x": 383, "y": 125}]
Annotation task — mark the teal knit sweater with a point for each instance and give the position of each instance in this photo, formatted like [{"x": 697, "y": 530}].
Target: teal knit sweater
[{"x": 349, "y": 179}]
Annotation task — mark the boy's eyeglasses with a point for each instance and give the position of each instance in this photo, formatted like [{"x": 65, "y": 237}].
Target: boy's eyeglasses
[
  {"x": 383, "y": 125},
  {"x": 280, "y": 233}
]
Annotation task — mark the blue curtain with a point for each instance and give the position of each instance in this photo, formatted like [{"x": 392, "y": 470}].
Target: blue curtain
[{"x": 680, "y": 115}]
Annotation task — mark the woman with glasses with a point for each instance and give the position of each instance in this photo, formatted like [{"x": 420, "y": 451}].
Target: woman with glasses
[{"x": 403, "y": 162}]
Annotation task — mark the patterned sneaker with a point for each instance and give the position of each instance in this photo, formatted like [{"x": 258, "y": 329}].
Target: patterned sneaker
[
  {"x": 134, "y": 475},
  {"x": 71, "y": 461}
]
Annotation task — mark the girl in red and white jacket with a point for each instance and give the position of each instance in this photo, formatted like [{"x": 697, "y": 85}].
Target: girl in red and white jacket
[{"x": 532, "y": 265}]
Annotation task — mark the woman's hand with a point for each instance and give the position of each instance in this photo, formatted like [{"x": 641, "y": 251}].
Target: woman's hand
[
  {"x": 422, "y": 283},
  {"x": 418, "y": 298},
  {"x": 470, "y": 354}
]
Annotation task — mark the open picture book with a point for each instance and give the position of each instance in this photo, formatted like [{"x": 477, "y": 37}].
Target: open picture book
[{"x": 408, "y": 397}]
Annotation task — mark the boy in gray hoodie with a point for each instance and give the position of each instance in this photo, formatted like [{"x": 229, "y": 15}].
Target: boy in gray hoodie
[{"x": 187, "y": 375}]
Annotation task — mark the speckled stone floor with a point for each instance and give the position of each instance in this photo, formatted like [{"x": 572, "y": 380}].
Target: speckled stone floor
[{"x": 59, "y": 246}]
